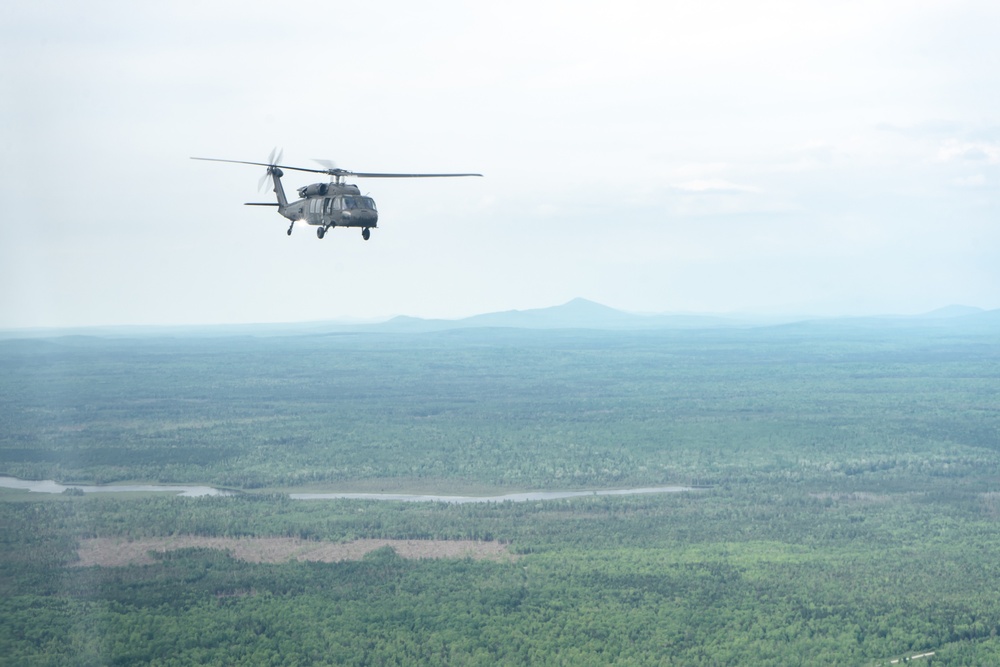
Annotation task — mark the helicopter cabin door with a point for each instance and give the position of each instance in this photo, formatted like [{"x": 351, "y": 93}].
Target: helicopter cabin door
[
  {"x": 336, "y": 205},
  {"x": 327, "y": 209}
]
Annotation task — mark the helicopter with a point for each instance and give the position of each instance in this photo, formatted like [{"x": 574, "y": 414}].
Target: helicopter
[{"x": 325, "y": 205}]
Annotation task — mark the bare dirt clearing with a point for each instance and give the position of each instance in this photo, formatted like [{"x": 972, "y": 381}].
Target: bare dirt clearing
[{"x": 111, "y": 552}]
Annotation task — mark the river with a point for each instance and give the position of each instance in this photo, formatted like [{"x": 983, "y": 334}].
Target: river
[
  {"x": 49, "y": 486},
  {"x": 511, "y": 497}
]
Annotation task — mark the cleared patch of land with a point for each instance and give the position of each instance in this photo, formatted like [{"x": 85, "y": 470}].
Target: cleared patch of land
[{"x": 112, "y": 552}]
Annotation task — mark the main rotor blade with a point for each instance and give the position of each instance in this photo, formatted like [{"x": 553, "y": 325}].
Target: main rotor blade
[
  {"x": 263, "y": 164},
  {"x": 329, "y": 164},
  {"x": 335, "y": 171},
  {"x": 362, "y": 174},
  {"x": 260, "y": 164}
]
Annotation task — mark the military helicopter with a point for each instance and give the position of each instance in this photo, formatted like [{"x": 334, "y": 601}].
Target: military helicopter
[{"x": 325, "y": 205}]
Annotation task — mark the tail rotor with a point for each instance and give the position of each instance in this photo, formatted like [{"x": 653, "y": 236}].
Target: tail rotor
[{"x": 272, "y": 167}]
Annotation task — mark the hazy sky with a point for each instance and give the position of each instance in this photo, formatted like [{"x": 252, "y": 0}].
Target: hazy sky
[{"x": 711, "y": 156}]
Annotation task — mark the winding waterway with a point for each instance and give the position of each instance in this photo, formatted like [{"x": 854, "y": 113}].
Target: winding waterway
[
  {"x": 511, "y": 497},
  {"x": 49, "y": 486}
]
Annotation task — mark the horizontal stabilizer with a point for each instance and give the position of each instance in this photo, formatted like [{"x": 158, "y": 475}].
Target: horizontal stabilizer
[{"x": 252, "y": 203}]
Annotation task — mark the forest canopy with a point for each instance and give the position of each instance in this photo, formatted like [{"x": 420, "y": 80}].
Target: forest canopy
[{"x": 849, "y": 513}]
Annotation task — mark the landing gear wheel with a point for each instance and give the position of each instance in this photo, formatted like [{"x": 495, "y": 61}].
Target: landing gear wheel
[
  {"x": 290, "y": 228},
  {"x": 321, "y": 232},
  {"x": 366, "y": 233}
]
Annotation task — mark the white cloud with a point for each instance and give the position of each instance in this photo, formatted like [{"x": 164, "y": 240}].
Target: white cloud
[
  {"x": 970, "y": 151},
  {"x": 973, "y": 181}
]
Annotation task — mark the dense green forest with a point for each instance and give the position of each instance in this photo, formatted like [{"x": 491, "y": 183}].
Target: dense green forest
[{"x": 851, "y": 514}]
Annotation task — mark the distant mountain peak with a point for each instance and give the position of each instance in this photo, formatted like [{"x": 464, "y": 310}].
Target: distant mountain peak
[
  {"x": 576, "y": 313},
  {"x": 955, "y": 310},
  {"x": 582, "y": 313},
  {"x": 579, "y": 303}
]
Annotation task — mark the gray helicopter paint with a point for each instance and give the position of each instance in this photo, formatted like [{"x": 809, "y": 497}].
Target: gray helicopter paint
[{"x": 330, "y": 205}]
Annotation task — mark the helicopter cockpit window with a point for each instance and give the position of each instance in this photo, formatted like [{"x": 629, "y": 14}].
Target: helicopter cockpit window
[{"x": 359, "y": 202}]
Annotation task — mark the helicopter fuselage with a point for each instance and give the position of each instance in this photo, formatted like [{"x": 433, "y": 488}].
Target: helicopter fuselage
[{"x": 332, "y": 205}]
